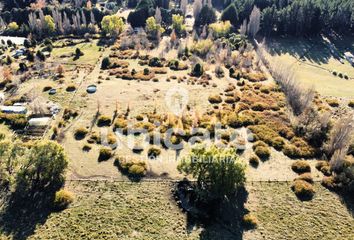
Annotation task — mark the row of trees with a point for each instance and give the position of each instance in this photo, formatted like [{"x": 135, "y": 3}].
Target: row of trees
[{"x": 298, "y": 17}]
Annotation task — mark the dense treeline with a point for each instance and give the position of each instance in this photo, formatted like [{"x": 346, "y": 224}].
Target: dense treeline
[{"x": 295, "y": 17}]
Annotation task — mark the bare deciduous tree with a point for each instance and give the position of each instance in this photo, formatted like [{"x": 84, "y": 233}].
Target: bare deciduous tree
[
  {"x": 340, "y": 136},
  {"x": 183, "y": 6},
  {"x": 157, "y": 16},
  {"x": 197, "y": 7},
  {"x": 243, "y": 28},
  {"x": 254, "y": 22}
]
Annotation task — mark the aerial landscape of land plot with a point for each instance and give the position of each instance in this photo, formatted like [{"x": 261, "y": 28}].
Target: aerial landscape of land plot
[{"x": 189, "y": 119}]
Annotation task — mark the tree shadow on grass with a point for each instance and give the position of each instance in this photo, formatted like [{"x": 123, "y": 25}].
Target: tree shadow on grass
[
  {"x": 21, "y": 215},
  {"x": 313, "y": 49},
  {"x": 218, "y": 219},
  {"x": 348, "y": 200}
]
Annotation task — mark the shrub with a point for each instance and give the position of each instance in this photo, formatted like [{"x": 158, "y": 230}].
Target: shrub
[
  {"x": 219, "y": 71},
  {"x": 202, "y": 47},
  {"x": 278, "y": 143},
  {"x": 86, "y": 148},
  {"x": 301, "y": 166},
  {"x": 140, "y": 117},
  {"x": 258, "y": 106},
  {"x": 328, "y": 182},
  {"x": 70, "y": 88},
  {"x": 230, "y": 100},
  {"x": 351, "y": 103},
  {"x": 303, "y": 190},
  {"x": 47, "y": 88},
  {"x": 259, "y": 144},
  {"x": 254, "y": 160},
  {"x": 80, "y": 133},
  {"x": 146, "y": 71},
  {"x": 63, "y": 198},
  {"x": 103, "y": 121},
  {"x": 197, "y": 70},
  {"x": 153, "y": 152},
  {"x": 291, "y": 151},
  {"x": 132, "y": 167},
  {"x": 262, "y": 152},
  {"x": 215, "y": 99},
  {"x": 333, "y": 102},
  {"x": 323, "y": 166},
  {"x": 155, "y": 62},
  {"x": 105, "y": 154},
  {"x": 120, "y": 123},
  {"x": 250, "y": 221},
  {"x": 106, "y": 63},
  {"x": 305, "y": 177}
]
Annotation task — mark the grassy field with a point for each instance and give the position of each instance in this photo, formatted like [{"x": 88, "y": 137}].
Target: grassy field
[
  {"x": 90, "y": 50},
  {"x": 146, "y": 210},
  {"x": 313, "y": 63},
  {"x": 282, "y": 216}
]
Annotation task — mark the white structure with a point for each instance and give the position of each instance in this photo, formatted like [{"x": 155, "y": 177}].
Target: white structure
[
  {"x": 13, "y": 109},
  {"x": 16, "y": 40},
  {"x": 39, "y": 122},
  {"x": 349, "y": 57}
]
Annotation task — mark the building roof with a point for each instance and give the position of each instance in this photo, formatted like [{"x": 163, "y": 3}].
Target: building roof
[
  {"x": 16, "y": 40},
  {"x": 43, "y": 121},
  {"x": 13, "y": 109}
]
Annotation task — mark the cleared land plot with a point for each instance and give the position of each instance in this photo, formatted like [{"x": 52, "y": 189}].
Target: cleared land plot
[
  {"x": 146, "y": 210},
  {"x": 314, "y": 63}
]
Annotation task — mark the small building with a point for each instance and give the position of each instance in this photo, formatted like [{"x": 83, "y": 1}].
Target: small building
[
  {"x": 349, "y": 57},
  {"x": 15, "y": 40},
  {"x": 39, "y": 122},
  {"x": 13, "y": 109}
]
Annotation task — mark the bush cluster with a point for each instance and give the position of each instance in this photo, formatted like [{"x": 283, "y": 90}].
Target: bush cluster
[{"x": 131, "y": 167}]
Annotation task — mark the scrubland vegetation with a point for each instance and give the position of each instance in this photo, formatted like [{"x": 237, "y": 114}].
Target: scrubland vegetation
[{"x": 178, "y": 104}]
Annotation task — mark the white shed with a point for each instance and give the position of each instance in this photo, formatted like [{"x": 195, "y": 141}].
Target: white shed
[
  {"x": 13, "y": 109},
  {"x": 39, "y": 122}
]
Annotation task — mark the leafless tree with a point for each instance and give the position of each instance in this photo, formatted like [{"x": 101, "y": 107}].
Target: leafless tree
[
  {"x": 92, "y": 18},
  {"x": 183, "y": 6},
  {"x": 58, "y": 20},
  {"x": 197, "y": 7},
  {"x": 158, "y": 17},
  {"x": 254, "y": 22},
  {"x": 66, "y": 24},
  {"x": 340, "y": 136},
  {"x": 243, "y": 28}
]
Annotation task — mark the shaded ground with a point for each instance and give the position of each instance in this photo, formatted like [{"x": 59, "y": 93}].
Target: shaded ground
[{"x": 313, "y": 62}]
